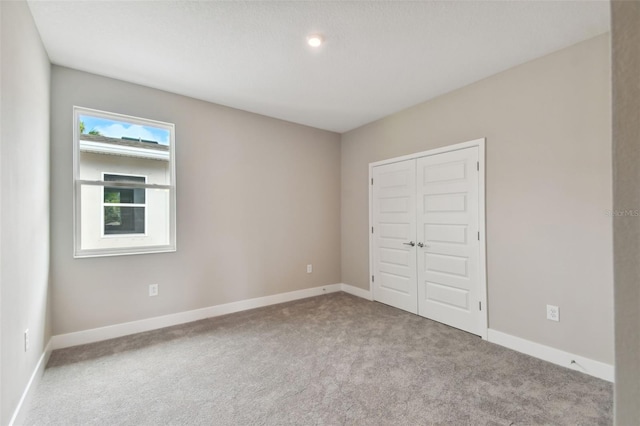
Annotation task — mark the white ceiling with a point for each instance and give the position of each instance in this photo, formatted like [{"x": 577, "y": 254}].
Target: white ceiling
[{"x": 378, "y": 58}]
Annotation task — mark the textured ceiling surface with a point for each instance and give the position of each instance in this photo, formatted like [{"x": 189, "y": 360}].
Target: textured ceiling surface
[{"x": 378, "y": 57}]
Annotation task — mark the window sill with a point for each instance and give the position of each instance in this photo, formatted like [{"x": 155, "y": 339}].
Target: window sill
[{"x": 128, "y": 251}]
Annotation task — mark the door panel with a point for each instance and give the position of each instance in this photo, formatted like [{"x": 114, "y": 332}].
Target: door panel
[
  {"x": 447, "y": 225},
  {"x": 448, "y": 295},
  {"x": 445, "y": 203},
  {"x": 451, "y": 234},
  {"x": 446, "y": 264},
  {"x": 394, "y": 222}
]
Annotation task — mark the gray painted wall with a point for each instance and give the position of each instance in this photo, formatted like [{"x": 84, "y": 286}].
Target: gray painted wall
[
  {"x": 257, "y": 200},
  {"x": 548, "y": 186},
  {"x": 24, "y": 197},
  {"x": 625, "y": 33}
]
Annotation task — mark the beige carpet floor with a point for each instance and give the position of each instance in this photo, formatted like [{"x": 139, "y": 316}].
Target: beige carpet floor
[{"x": 329, "y": 360}]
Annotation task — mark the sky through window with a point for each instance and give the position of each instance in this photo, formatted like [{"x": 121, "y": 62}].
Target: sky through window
[{"x": 119, "y": 129}]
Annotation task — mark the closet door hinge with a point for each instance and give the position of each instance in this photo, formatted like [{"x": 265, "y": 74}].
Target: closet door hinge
[
  {"x": 480, "y": 305},
  {"x": 372, "y": 229},
  {"x": 371, "y": 181},
  {"x": 373, "y": 278},
  {"x": 478, "y": 235},
  {"x": 478, "y": 165}
]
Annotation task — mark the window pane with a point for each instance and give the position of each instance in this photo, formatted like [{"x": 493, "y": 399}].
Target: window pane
[
  {"x": 123, "y": 220},
  {"x": 124, "y": 178},
  {"x": 108, "y": 145},
  {"x": 124, "y": 195}
]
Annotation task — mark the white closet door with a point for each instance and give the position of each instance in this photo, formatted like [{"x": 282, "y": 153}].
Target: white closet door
[
  {"x": 394, "y": 222},
  {"x": 448, "y": 261}
]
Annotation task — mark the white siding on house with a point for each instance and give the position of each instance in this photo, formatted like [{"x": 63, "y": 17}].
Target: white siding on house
[{"x": 157, "y": 224}]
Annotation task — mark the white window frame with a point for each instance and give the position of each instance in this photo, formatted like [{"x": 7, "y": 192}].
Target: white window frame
[
  {"x": 143, "y": 234},
  {"x": 78, "y": 252}
]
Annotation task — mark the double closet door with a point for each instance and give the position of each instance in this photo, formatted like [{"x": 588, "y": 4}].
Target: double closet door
[{"x": 425, "y": 237}]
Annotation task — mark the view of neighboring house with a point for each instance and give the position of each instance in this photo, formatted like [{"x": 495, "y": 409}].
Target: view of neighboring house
[{"x": 119, "y": 216}]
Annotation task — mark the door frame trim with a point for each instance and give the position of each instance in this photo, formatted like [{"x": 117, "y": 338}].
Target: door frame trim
[{"x": 480, "y": 144}]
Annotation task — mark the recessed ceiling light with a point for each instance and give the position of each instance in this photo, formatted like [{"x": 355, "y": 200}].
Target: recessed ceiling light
[{"x": 315, "y": 40}]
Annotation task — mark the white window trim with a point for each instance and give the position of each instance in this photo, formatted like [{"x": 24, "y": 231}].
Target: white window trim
[
  {"x": 103, "y": 235},
  {"x": 78, "y": 252}
]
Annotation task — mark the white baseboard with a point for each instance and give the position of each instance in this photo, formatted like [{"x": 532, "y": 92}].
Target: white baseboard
[
  {"x": 21, "y": 410},
  {"x": 118, "y": 330},
  {"x": 356, "y": 291},
  {"x": 556, "y": 356}
]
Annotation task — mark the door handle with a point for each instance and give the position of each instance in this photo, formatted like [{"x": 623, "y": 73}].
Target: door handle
[
  {"x": 410, "y": 243},
  {"x": 423, "y": 245}
]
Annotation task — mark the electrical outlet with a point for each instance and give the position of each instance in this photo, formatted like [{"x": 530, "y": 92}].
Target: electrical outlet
[
  {"x": 26, "y": 340},
  {"x": 553, "y": 313},
  {"x": 153, "y": 289},
  {"x": 309, "y": 268}
]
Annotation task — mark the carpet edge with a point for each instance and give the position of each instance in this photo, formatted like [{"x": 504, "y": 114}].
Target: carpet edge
[
  {"x": 579, "y": 363},
  {"x": 61, "y": 341}
]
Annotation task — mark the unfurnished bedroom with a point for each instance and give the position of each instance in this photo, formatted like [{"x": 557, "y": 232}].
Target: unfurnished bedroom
[{"x": 319, "y": 213}]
